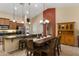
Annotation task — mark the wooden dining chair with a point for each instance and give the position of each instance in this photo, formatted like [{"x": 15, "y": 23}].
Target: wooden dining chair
[
  {"x": 31, "y": 50},
  {"x": 58, "y": 45},
  {"x": 46, "y": 50},
  {"x": 22, "y": 44}
]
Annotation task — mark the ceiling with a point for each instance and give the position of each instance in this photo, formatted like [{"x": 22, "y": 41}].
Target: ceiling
[{"x": 34, "y": 8}]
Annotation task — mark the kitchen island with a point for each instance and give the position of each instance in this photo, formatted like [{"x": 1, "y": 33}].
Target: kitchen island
[{"x": 11, "y": 42}]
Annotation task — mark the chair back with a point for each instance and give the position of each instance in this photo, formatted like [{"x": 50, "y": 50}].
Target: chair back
[
  {"x": 29, "y": 44},
  {"x": 52, "y": 46},
  {"x": 57, "y": 45},
  {"x": 57, "y": 40},
  {"x": 53, "y": 43}
]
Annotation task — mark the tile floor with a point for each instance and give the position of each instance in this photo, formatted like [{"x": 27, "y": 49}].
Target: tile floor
[
  {"x": 69, "y": 51},
  {"x": 66, "y": 51}
]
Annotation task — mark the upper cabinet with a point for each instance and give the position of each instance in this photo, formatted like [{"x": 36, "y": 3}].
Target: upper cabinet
[
  {"x": 4, "y": 21},
  {"x": 12, "y": 25},
  {"x": 68, "y": 26},
  {"x": 20, "y": 24}
]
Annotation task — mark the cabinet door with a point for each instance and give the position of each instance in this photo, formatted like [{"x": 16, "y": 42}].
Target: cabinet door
[
  {"x": 20, "y": 24},
  {"x": 67, "y": 26},
  {"x": 1, "y": 21},
  {"x": 72, "y": 26},
  {"x": 62, "y": 38},
  {"x": 12, "y": 25},
  {"x": 62, "y": 26},
  {"x": 70, "y": 40},
  {"x": 59, "y": 27},
  {"x": 6, "y": 22},
  {"x": 67, "y": 38}
]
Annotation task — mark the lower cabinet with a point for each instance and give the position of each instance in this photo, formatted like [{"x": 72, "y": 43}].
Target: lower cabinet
[
  {"x": 68, "y": 38},
  {"x": 66, "y": 31}
]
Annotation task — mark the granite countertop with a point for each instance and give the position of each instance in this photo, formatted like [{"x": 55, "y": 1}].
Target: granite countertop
[
  {"x": 13, "y": 36},
  {"x": 18, "y": 36}
]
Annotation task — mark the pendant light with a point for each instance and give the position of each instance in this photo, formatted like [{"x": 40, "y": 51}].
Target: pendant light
[
  {"x": 14, "y": 12},
  {"x": 28, "y": 19},
  {"x": 44, "y": 21},
  {"x": 22, "y": 10}
]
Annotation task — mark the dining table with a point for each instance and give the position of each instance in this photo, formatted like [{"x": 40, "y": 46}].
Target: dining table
[{"x": 41, "y": 41}]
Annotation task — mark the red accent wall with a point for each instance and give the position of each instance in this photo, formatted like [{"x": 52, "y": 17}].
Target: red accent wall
[{"x": 50, "y": 14}]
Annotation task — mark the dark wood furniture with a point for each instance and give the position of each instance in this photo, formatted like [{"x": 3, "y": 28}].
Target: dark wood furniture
[
  {"x": 31, "y": 50},
  {"x": 46, "y": 50},
  {"x": 20, "y": 24},
  {"x": 52, "y": 48},
  {"x": 42, "y": 41},
  {"x": 43, "y": 47},
  {"x": 12, "y": 25},
  {"x": 57, "y": 45},
  {"x": 66, "y": 31},
  {"x": 47, "y": 46},
  {"x": 22, "y": 44},
  {"x": 4, "y": 21},
  {"x": 29, "y": 47}
]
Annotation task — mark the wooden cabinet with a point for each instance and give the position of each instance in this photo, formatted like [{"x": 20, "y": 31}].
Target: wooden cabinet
[
  {"x": 20, "y": 24},
  {"x": 4, "y": 21},
  {"x": 12, "y": 25},
  {"x": 1, "y": 22},
  {"x": 66, "y": 31}
]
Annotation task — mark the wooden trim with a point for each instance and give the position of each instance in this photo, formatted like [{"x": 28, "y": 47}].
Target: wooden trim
[{"x": 65, "y": 22}]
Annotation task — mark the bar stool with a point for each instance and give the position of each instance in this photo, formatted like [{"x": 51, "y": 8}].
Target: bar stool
[
  {"x": 22, "y": 44},
  {"x": 30, "y": 49}
]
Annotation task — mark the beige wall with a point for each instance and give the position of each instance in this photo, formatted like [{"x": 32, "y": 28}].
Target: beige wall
[
  {"x": 65, "y": 14},
  {"x": 36, "y": 26},
  {"x": 9, "y": 16},
  {"x": 10, "y": 46},
  {"x": 68, "y": 14}
]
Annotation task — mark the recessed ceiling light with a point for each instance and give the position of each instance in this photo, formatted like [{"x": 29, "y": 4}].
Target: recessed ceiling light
[
  {"x": 15, "y": 8},
  {"x": 36, "y": 5}
]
